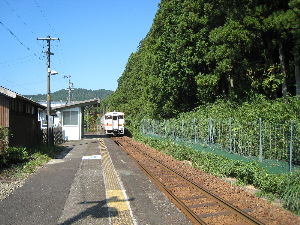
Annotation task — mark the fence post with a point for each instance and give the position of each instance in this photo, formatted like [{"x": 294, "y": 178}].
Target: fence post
[
  {"x": 195, "y": 130},
  {"x": 230, "y": 134},
  {"x": 142, "y": 126},
  {"x": 211, "y": 135},
  {"x": 173, "y": 130},
  {"x": 153, "y": 125},
  {"x": 260, "y": 140},
  {"x": 182, "y": 124},
  {"x": 50, "y": 136},
  {"x": 165, "y": 128},
  {"x": 291, "y": 148}
]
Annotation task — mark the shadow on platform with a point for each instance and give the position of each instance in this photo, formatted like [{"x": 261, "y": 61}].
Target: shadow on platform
[{"x": 95, "y": 134}]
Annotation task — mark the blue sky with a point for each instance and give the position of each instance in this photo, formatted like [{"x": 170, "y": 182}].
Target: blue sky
[{"x": 96, "y": 39}]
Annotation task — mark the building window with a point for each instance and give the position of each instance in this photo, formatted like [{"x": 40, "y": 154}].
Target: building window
[{"x": 70, "y": 118}]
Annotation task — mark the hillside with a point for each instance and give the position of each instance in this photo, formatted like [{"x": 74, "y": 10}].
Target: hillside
[
  {"x": 197, "y": 52},
  {"x": 78, "y": 94}
]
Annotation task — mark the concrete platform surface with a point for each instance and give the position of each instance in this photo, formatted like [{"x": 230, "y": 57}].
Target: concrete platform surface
[{"x": 95, "y": 183}]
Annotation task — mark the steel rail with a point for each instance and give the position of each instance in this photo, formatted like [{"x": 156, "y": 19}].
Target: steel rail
[{"x": 188, "y": 212}]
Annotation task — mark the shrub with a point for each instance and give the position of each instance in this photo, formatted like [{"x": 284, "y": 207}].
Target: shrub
[
  {"x": 290, "y": 191},
  {"x": 3, "y": 140},
  {"x": 284, "y": 186},
  {"x": 37, "y": 159},
  {"x": 15, "y": 155}
]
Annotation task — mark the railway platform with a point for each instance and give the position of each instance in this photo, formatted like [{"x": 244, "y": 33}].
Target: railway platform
[{"x": 94, "y": 182}]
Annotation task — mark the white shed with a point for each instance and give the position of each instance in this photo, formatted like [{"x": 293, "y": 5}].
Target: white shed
[{"x": 71, "y": 117}]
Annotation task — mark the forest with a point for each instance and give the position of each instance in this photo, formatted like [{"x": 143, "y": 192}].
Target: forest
[
  {"x": 78, "y": 94},
  {"x": 208, "y": 68},
  {"x": 200, "y": 51}
]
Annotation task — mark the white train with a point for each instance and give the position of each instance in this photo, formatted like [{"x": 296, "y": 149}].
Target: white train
[{"x": 113, "y": 123}]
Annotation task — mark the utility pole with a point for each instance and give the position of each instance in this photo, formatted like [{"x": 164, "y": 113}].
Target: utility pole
[
  {"x": 48, "y": 53},
  {"x": 70, "y": 88}
]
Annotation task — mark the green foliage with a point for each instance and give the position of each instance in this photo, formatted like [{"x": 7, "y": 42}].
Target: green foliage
[
  {"x": 49, "y": 151},
  {"x": 290, "y": 191},
  {"x": 78, "y": 94},
  {"x": 21, "y": 162},
  {"x": 37, "y": 159},
  {"x": 10, "y": 155},
  {"x": 235, "y": 127},
  {"x": 16, "y": 155},
  {"x": 13, "y": 155},
  {"x": 284, "y": 186},
  {"x": 198, "y": 51},
  {"x": 4, "y": 133}
]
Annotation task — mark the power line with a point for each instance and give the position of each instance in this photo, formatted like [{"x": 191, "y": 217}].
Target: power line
[
  {"x": 15, "y": 36},
  {"x": 13, "y": 62},
  {"x": 42, "y": 12},
  {"x": 12, "y": 9},
  {"x": 21, "y": 19},
  {"x": 23, "y": 86},
  {"x": 61, "y": 58}
]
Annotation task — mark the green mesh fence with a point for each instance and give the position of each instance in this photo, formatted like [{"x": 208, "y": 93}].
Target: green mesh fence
[{"x": 274, "y": 146}]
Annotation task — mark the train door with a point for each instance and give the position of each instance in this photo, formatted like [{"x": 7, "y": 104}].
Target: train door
[{"x": 115, "y": 123}]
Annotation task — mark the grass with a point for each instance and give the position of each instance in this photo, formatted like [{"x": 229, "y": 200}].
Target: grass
[
  {"x": 36, "y": 157},
  {"x": 286, "y": 186}
]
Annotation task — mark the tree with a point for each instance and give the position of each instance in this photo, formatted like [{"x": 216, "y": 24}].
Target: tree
[{"x": 198, "y": 51}]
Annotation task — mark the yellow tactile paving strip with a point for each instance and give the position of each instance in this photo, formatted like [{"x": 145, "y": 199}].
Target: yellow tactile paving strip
[{"x": 119, "y": 209}]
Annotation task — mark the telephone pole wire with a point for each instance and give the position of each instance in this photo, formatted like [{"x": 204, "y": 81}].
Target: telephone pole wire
[{"x": 48, "y": 53}]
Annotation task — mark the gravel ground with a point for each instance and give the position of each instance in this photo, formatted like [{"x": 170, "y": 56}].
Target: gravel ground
[
  {"x": 261, "y": 209},
  {"x": 9, "y": 183}
]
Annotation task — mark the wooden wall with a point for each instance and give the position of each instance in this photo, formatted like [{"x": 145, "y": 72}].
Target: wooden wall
[{"x": 4, "y": 111}]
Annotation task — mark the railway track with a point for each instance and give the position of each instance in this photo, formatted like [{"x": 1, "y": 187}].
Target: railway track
[{"x": 200, "y": 205}]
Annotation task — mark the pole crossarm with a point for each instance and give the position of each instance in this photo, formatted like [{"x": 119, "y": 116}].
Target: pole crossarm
[
  {"x": 70, "y": 88},
  {"x": 48, "y": 39},
  {"x": 48, "y": 53}
]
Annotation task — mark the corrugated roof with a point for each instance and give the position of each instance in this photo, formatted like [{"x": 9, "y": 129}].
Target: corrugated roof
[
  {"x": 78, "y": 104},
  {"x": 7, "y": 92},
  {"x": 13, "y": 94}
]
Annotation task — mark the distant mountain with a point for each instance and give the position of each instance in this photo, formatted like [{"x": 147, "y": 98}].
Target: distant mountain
[{"x": 78, "y": 94}]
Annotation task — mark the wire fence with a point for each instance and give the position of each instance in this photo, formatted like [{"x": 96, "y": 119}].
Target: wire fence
[{"x": 265, "y": 141}]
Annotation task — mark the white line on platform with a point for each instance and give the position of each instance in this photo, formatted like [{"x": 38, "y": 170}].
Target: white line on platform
[{"x": 91, "y": 157}]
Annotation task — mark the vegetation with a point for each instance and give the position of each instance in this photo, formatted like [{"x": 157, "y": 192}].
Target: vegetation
[
  {"x": 266, "y": 129},
  {"x": 217, "y": 58},
  {"x": 22, "y": 161},
  {"x": 220, "y": 59},
  {"x": 3, "y": 139},
  {"x": 199, "y": 51},
  {"x": 78, "y": 94},
  {"x": 283, "y": 186}
]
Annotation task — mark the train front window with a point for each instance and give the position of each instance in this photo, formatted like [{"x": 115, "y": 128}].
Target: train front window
[
  {"x": 115, "y": 118},
  {"x": 108, "y": 117}
]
